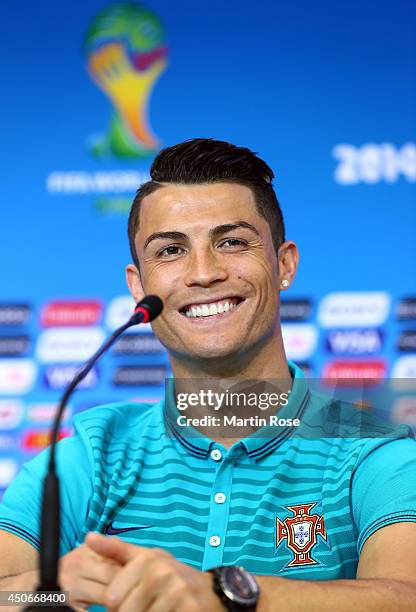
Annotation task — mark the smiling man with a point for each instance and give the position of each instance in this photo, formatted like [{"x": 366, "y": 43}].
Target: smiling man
[{"x": 255, "y": 517}]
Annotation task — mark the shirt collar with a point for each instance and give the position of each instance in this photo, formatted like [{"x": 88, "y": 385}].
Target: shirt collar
[{"x": 261, "y": 443}]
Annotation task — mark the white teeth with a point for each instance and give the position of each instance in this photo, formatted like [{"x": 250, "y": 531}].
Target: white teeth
[{"x": 207, "y": 310}]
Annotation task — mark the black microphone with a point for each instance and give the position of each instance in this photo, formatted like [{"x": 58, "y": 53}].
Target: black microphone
[
  {"x": 146, "y": 310},
  {"x": 151, "y": 307}
]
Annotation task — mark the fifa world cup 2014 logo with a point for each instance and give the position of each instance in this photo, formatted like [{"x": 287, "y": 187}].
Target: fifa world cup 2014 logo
[{"x": 126, "y": 53}]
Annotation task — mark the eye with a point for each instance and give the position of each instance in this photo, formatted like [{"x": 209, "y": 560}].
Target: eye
[
  {"x": 169, "y": 250},
  {"x": 235, "y": 241}
]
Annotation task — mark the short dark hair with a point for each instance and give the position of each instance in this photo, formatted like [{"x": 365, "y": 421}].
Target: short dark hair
[{"x": 205, "y": 160}]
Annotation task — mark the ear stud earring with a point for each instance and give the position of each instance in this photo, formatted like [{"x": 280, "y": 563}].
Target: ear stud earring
[{"x": 285, "y": 283}]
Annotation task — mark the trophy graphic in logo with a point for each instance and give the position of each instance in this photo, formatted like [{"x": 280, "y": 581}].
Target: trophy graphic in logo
[{"x": 126, "y": 54}]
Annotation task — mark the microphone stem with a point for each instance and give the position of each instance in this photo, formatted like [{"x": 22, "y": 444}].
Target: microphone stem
[
  {"x": 50, "y": 522},
  {"x": 146, "y": 310},
  {"x": 80, "y": 375}
]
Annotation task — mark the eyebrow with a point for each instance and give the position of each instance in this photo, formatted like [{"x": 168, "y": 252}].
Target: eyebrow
[{"x": 215, "y": 232}]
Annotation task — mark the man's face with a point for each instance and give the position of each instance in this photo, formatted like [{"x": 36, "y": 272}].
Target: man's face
[{"x": 207, "y": 266}]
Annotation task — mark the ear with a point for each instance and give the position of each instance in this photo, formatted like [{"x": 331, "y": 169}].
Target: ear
[
  {"x": 134, "y": 282},
  {"x": 288, "y": 262}
]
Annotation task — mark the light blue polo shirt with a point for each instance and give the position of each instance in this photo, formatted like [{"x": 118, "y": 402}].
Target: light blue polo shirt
[{"x": 276, "y": 503}]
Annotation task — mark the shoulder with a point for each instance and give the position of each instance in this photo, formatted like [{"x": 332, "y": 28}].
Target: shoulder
[
  {"x": 347, "y": 429},
  {"x": 387, "y": 455},
  {"x": 108, "y": 424},
  {"x": 118, "y": 414}
]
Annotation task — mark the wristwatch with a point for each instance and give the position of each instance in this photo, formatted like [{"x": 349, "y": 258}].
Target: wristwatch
[{"x": 237, "y": 588}]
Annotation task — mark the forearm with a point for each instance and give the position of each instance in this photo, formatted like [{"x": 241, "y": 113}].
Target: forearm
[
  {"x": 381, "y": 595},
  {"x": 27, "y": 581}
]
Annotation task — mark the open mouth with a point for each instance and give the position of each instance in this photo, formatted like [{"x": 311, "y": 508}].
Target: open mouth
[{"x": 210, "y": 310}]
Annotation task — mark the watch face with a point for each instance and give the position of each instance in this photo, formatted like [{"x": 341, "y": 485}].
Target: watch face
[{"x": 239, "y": 585}]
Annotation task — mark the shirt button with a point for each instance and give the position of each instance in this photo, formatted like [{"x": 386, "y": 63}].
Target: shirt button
[
  {"x": 216, "y": 454},
  {"x": 220, "y": 498},
  {"x": 215, "y": 541}
]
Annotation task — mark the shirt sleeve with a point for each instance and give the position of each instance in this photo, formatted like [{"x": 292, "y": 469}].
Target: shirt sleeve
[
  {"x": 21, "y": 504},
  {"x": 383, "y": 487}
]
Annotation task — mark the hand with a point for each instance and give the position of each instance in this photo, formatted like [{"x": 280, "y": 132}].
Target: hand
[
  {"x": 86, "y": 576},
  {"x": 152, "y": 580}
]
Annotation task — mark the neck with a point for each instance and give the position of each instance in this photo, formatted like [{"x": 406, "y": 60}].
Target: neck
[{"x": 268, "y": 363}]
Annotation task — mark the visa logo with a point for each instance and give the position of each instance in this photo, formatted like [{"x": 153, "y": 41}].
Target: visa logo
[{"x": 354, "y": 341}]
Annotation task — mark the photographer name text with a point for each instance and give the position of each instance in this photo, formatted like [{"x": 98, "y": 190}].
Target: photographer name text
[{"x": 235, "y": 421}]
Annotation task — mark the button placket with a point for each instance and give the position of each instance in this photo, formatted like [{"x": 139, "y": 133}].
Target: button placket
[{"x": 218, "y": 512}]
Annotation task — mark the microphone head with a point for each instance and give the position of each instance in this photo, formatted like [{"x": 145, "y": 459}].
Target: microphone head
[{"x": 151, "y": 306}]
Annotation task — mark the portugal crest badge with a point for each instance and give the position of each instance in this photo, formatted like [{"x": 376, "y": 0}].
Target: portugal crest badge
[{"x": 300, "y": 532}]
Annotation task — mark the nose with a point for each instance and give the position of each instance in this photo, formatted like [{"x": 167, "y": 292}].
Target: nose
[{"x": 204, "y": 267}]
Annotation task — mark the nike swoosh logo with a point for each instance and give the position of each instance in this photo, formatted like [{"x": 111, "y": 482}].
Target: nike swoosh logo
[{"x": 115, "y": 531}]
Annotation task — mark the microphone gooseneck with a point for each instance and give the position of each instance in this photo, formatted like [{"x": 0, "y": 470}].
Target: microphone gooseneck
[{"x": 146, "y": 310}]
